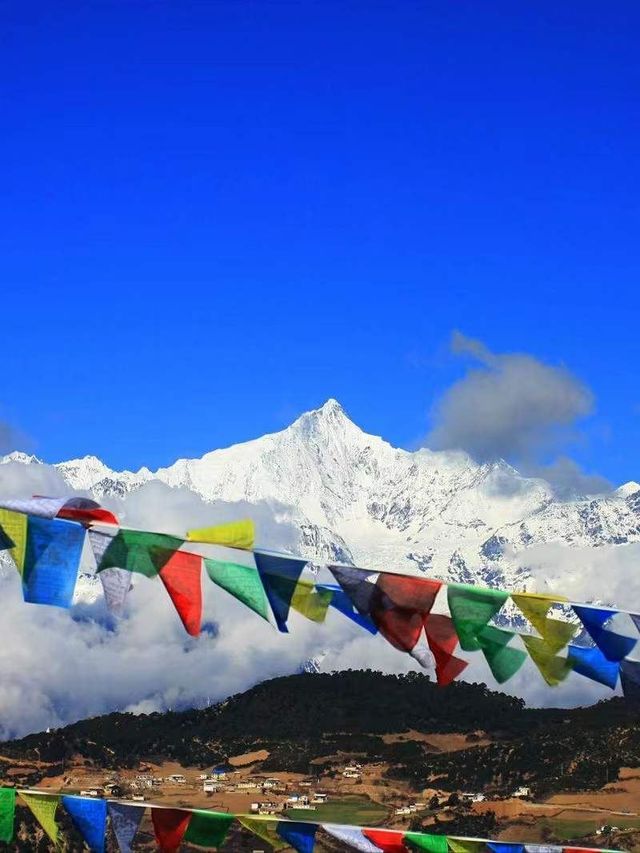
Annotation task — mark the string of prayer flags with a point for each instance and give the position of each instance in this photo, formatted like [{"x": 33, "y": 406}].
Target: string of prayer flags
[
  {"x": 169, "y": 826},
  {"x": 7, "y": 813},
  {"x": 554, "y": 669},
  {"x": 615, "y": 647},
  {"x": 208, "y": 829},
  {"x": 14, "y": 529},
  {"x": 44, "y": 808},
  {"x": 181, "y": 575},
  {"x": 556, "y": 633},
  {"x": 387, "y": 840},
  {"x": 351, "y": 835},
  {"x": 235, "y": 534},
  {"x": 52, "y": 559},
  {"x": 300, "y": 836},
  {"x": 279, "y": 576},
  {"x": 243, "y": 582},
  {"x": 591, "y": 663},
  {"x": 125, "y": 822},
  {"x": 427, "y": 842},
  {"x": 89, "y": 817}
]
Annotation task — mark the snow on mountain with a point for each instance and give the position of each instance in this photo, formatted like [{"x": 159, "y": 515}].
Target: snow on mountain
[{"x": 354, "y": 497}]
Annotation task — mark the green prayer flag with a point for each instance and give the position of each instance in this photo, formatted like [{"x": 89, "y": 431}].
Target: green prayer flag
[
  {"x": 471, "y": 610},
  {"x": 44, "y": 808},
  {"x": 503, "y": 661},
  {"x": 553, "y": 669},
  {"x": 425, "y": 841},
  {"x": 7, "y": 813},
  {"x": 243, "y": 582},
  {"x": 208, "y": 829},
  {"x": 139, "y": 551}
]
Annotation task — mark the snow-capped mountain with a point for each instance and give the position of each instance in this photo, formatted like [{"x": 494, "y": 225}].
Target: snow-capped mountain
[{"x": 354, "y": 497}]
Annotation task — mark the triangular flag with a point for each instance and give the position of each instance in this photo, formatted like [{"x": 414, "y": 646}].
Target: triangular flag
[
  {"x": 503, "y": 661},
  {"x": 555, "y": 632},
  {"x": 311, "y": 601},
  {"x": 464, "y": 845},
  {"x": 52, "y": 559},
  {"x": 243, "y": 582},
  {"x": 553, "y": 669},
  {"x": 410, "y": 593},
  {"x": 89, "y": 817},
  {"x": 301, "y": 836},
  {"x": 235, "y": 534},
  {"x": 272, "y": 569},
  {"x": 169, "y": 826},
  {"x": 542, "y": 848},
  {"x": 630, "y": 679},
  {"x": 614, "y": 646},
  {"x": 139, "y": 551},
  {"x": 343, "y": 604},
  {"x": 505, "y": 847},
  {"x": 471, "y": 610},
  {"x": 591, "y": 663},
  {"x": 116, "y": 584},
  {"x": 86, "y": 511},
  {"x": 181, "y": 576},
  {"x": 443, "y": 639},
  {"x": 264, "y": 828},
  {"x": 44, "y": 810},
  {"x": 425, "y": 841},
  {"x": 208, "y": 829},
  {"x": 125, "y": 821},
  {"x": 14, "y": 526},
  {"x": 401, "y": 607},
  {"x": 351, "y": 835},
  {"x": 357, "y": 584},
  {"x": 387, "y": 840},
  {"x": 7, "y": 813}
]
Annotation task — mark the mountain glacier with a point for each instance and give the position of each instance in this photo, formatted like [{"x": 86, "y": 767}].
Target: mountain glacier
[{"x": 353, "y": 497}]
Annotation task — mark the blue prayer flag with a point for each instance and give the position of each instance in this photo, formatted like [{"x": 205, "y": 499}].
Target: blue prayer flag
[
  {"x": 300, "y": 836},
  {"x": 594, "y": 665},
  {"x": 505, "y": 847},
  {"x": 614, "y": 646},
  {"x": 273, "y": 569},
  {"x": 52, "y": 558},
  {"x": 125, "y": 821},
  {"x": 90, "y": 819},
  {"x": 630, "y": 679},
  {"x": 341, "y": 602}
]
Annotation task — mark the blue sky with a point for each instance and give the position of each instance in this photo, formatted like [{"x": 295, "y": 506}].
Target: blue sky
[{"x": 217, "y": 215}]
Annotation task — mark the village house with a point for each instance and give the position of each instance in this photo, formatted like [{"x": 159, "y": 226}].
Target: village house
[{"x": 176, "y": 779}]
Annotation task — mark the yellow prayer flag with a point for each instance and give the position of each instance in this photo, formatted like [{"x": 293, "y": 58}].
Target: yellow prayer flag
[
  {"x": 44, "y": 808},
  {"x": 552, "y": 668},
  {"x": 264, "y": 828},
  {"x": 310, "y": 602},
  {"x": 14, "y": 525},
  {"x": 555, "y": 632},
  {"x": 235, "y": 534},
  {"x": 460, "y": 845}
]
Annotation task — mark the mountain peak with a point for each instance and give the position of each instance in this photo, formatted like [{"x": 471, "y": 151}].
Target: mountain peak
[{"x": 329, "y": 417}]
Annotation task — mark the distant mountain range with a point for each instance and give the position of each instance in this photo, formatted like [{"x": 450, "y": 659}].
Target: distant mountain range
[{"x": 355, "y": 498}]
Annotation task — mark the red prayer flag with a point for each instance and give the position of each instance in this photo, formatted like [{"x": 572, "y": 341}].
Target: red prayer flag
[
  {"x": 87, "y": 516},
  {"x": 169, "y": 826},
  {"x": 443, "y": 639},
  {"x": 386, "y": 839},
  {"x": 181, "y": 575},
  {"x": 410, "y": 593},
  {"x": 401, "y": 606}
]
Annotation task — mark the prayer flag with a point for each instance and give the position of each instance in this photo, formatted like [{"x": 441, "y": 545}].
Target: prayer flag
[
  {"x": 125, "y": 821},
  {"x": 553, "y": 669},
  {"x": 235, "y": 534},
  {"x": 116, "y": 584},
  {"x": 630, "y": 679},
  {"x": 614, "y": 646},
  {"x": 443, "y": 639},
  {"x": 427, "y": 842},
  {"x": 401, "y": 607},
  {"x": 555, "y": 632},
  {"x": 357, "y": 584},
  {"x": 264, "y": 828},
  {"x": 273, "y": 570},
  {"x": 505, "y": 847},
  {"x": 52, "y": 559},
  {"x": 208, "y": 829},
  {"x": 310, "y": 600},
  {"x": 14, "y": 526},
  {"x": 351, "y": 835},
  {"x": 341, "y": 602},
  {"x": 635, "y": 617},
  {"x": 42, "y": 507},
  {"x": 7, "y": 813},
  {"x": 89, "y": 816},
  {"x": 387, "y": 840},
  {"x": 180, "y": 574},
  {"x": 243, "y": 582},
  {"x": 44, "y": 808},
  {"x": 301, "y": 836},
  {"x": 591, "y": 663},
  {"x": 464, "y": 845},
  {"x": 542, "y": 848},
  {"x": 169, "y": 826},
  {"x": 503, "y": 661},
  {"x": 471, "y": 610},
  {"x": 139, "y": 551}
]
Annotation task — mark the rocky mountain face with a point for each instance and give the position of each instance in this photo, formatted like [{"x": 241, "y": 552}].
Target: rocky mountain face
[{"x": 355, "y": 498}]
